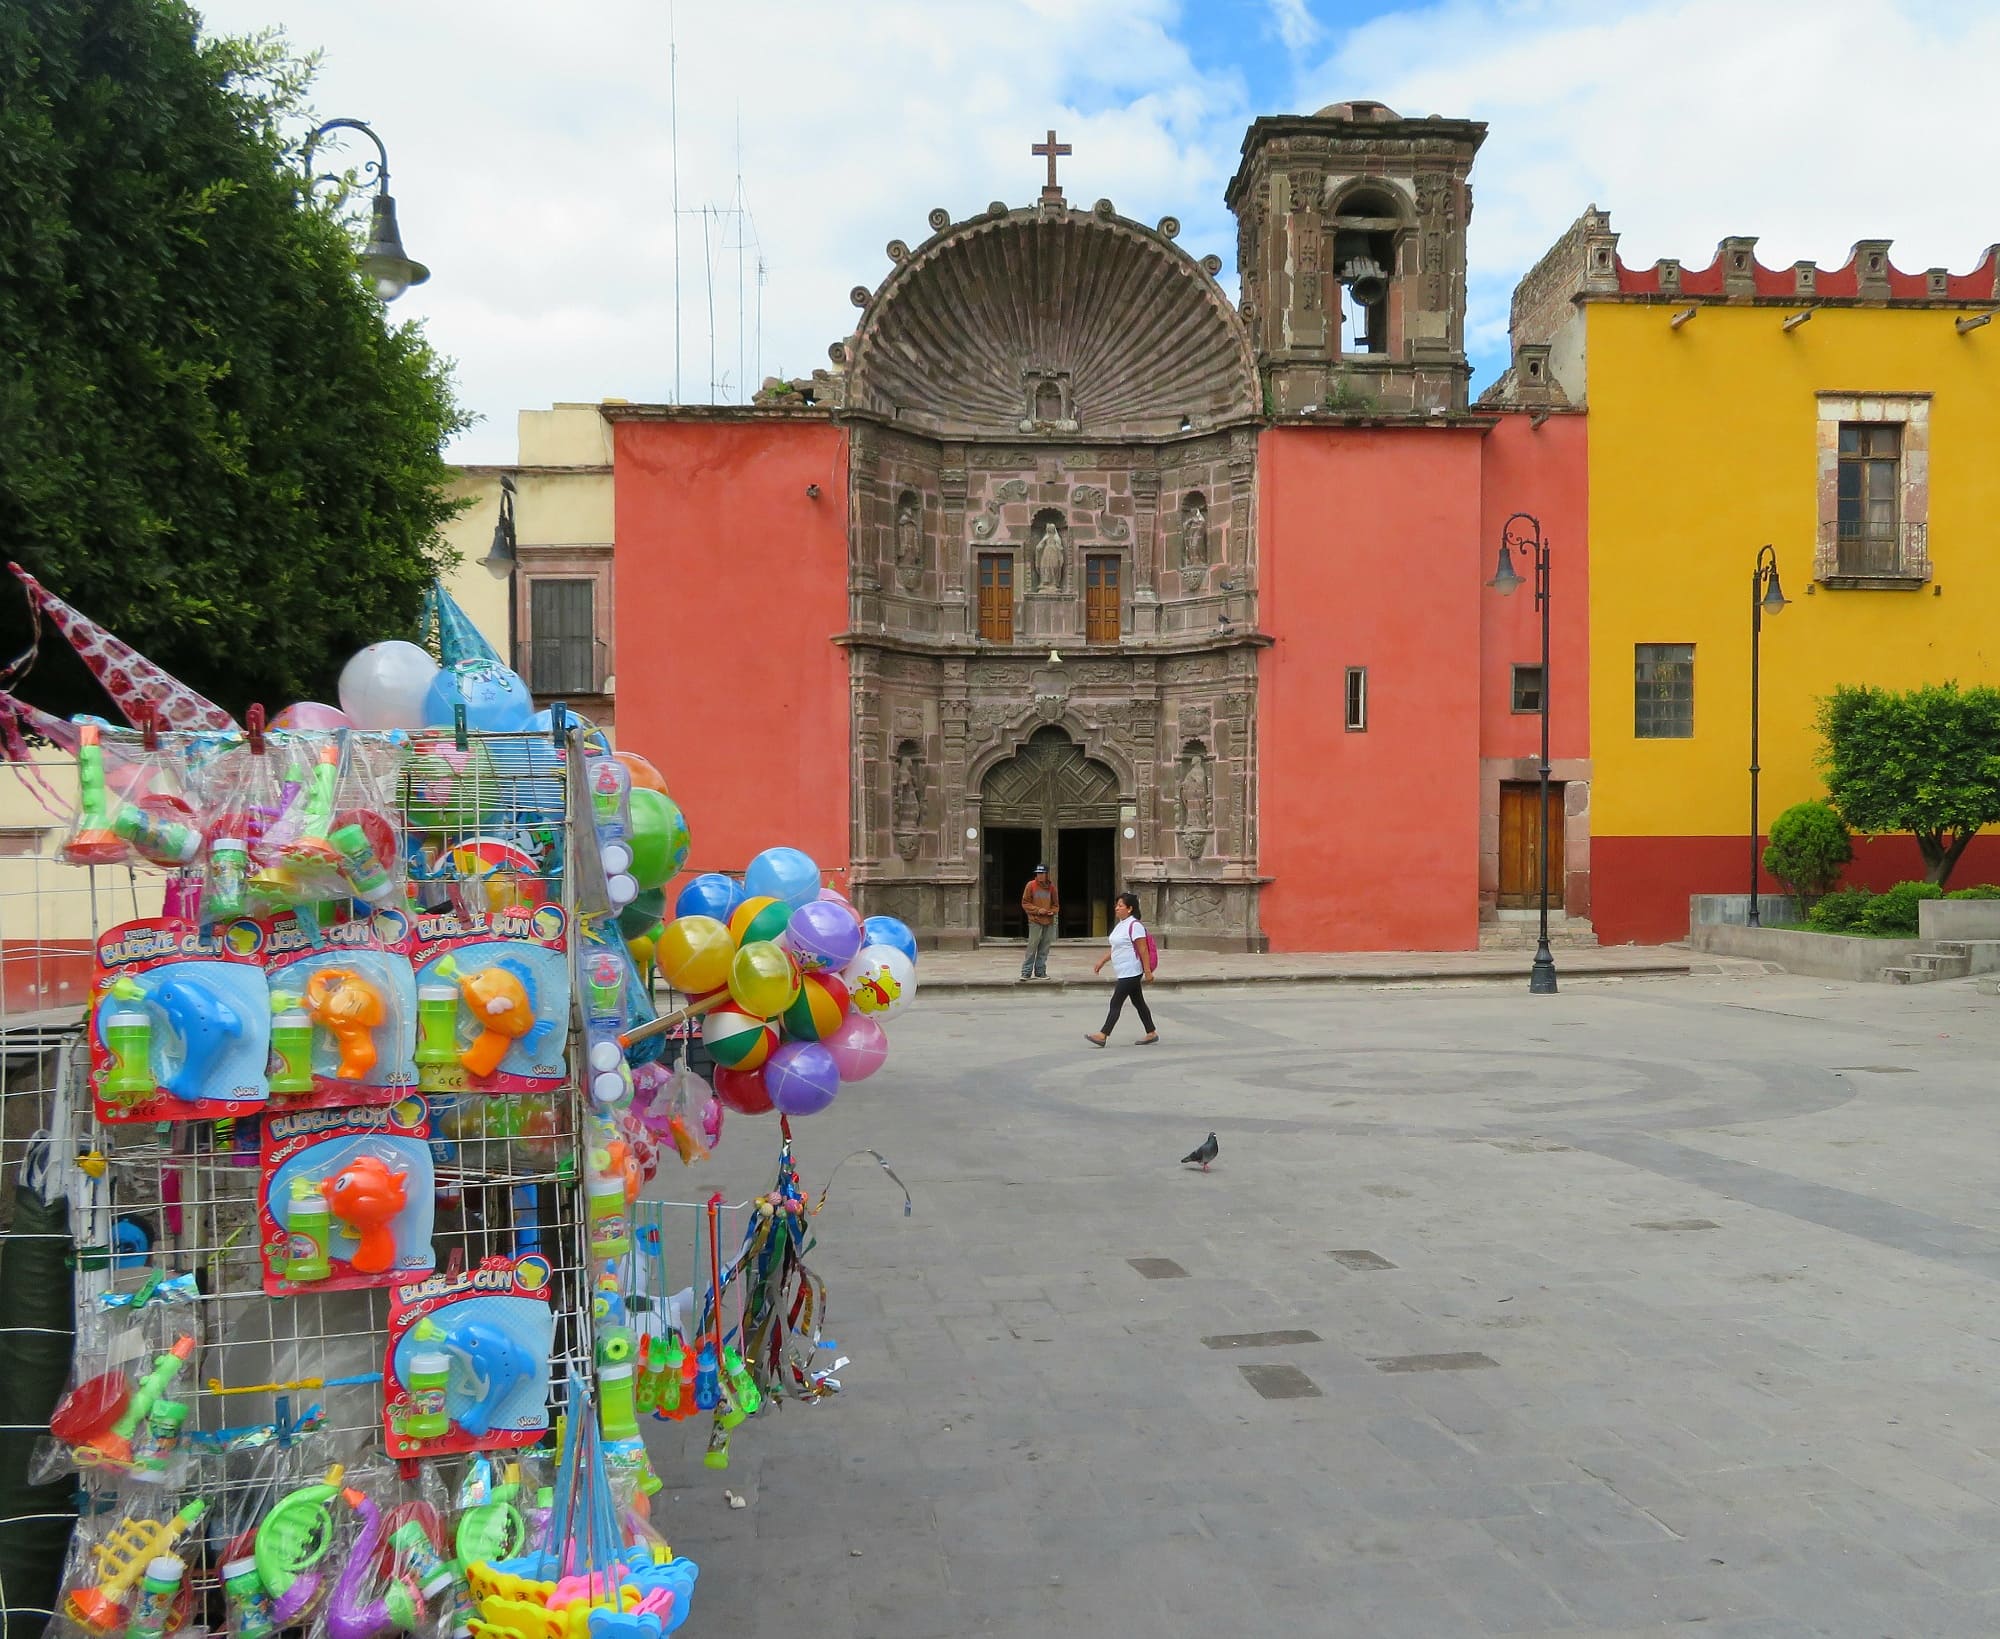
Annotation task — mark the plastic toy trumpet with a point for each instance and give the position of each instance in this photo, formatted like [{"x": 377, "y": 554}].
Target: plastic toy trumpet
[
  {"x": 95, "y": 843},
  {"x": 122, "y": 1557},
  {"x": 350, "y": 1009},
  {"x": 504, "y": 1007},
  {"x": 294, "y": 1537},
  {"x": 366, "y": 1195}
]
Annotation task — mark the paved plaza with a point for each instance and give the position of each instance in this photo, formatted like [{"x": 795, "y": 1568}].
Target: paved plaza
[{"x": 1664, "y": 1305}]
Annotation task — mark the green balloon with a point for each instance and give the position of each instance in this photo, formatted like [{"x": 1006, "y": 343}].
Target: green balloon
[
  {"x": 643, "y": 915},
  {"x": 659, "y": 838}
]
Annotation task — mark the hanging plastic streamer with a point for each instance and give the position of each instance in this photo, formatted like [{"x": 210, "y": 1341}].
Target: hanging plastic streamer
[{"x": 137, "y": 687}]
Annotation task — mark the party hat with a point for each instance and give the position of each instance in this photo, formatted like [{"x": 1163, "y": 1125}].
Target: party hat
[{"x": 449, "y": 628}]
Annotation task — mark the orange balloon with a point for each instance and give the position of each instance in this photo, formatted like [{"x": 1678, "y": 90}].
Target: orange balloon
[{"x": 645, "y": 776}]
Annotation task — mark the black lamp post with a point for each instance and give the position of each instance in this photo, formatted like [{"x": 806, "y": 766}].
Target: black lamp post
[
  {"x": 1766, "y": 598},
  {"x": 1528, "y": 537},
  {"x": 383, "y": 260}
]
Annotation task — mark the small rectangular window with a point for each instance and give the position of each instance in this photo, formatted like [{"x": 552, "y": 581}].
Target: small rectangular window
[
  {"x": 996, "y": 597},
  {"x": 1663, "y": 691},
  {"x": 562, "y": 636},
  {"x": 1527, "y": 689},
  {"x": 1100, "y": 597},
  {"x": 1357, "y": 699}
]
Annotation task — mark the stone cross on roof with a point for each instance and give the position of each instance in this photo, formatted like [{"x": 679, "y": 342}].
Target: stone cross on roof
[{"x": 1052, "y": 149}]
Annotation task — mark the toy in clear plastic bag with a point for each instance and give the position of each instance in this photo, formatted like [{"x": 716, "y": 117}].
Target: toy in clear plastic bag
[
  {"x": 125, "y": 1410},
  {"x": 397, "y": 1569},
  {"x": 130, "y": 807},
  {"x": 114, "y": 1582}
]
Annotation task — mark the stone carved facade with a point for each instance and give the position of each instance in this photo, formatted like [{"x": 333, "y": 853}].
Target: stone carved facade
[{"x": 1120, "y": 455}]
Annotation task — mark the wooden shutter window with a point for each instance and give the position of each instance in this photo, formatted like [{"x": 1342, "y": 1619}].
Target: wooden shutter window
[
  {"x": 562, "y": 636},
  {"x": 996, "y": 597}
]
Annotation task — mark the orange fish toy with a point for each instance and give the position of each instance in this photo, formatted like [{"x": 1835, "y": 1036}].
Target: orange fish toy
[
  {"x": 503, "y": 1007},
  {"x": 366, "y": 1195}
]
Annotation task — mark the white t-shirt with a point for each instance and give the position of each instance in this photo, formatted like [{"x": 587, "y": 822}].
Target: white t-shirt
[{"x": 1126, "y": 963}]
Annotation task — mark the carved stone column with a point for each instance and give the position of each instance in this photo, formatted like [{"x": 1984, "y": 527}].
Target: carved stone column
[
  {"x": 1240, "y": 553},
  {"x": 952, "y": 553},
  {"x": 1145, "y": 551},
  {"x": 953, "y": 713},
  {"x": 865, "y": 676}
]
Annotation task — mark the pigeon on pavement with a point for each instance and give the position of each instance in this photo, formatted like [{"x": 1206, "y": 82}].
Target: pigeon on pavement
[{"x": 1206, "y": 1153}]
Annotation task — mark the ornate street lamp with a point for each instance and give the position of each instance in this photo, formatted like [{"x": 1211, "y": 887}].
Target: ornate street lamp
[
  {"x": 1528, "y": 537},
  {"x": 1766, "y": 598},
  {"x": 383, "y": 260}
]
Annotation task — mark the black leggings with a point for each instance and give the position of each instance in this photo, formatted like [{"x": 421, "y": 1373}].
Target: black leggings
[{"x": 1134, "y": 987}]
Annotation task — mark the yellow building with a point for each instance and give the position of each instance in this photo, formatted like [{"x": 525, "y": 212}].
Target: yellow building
[{"x": 1848, "y": 418}]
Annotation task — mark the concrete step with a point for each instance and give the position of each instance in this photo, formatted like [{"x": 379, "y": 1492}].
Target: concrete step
[
  {"x": 1903, "y": 976},
  {"x": 1565, "y": 933}
]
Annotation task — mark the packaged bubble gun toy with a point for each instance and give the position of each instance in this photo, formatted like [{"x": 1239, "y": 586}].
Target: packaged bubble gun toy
[
  {"x": 492, "y": 1328},
  {"x": 349, "y": 1009},
  {"x": 503, "y": 1009},
  {"x": 366, "y": 1195},
  {"x": 203, "y": 1022},
  {"x": 348, "y": 1199},
  {"x": 122, "y": 1558},
  {"x": 510, "y": 973},
  {"x": 180, "y": 1024}
]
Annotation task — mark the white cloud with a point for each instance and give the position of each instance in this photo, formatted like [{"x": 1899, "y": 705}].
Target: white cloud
[
  {"x": 1811, "y": 123},
  {"x": 533, "y": 165},
  {"x": 1295, "y": 24}
]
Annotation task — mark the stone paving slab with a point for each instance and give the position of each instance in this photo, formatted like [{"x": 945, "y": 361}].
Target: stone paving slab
[{"x": 1782, "y": 1426}]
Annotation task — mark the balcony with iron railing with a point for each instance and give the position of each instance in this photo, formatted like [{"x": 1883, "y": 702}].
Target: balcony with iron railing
[
  {"x": 559, "y": 668},
  {"x": 1895, "y": 557}
]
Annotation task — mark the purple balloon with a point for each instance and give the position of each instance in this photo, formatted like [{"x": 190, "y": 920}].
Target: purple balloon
[
  {"x": 801, "y": 1078},
  {"x": 822, "y": 936}
]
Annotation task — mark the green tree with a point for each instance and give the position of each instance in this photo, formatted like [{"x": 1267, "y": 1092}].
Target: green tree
[
  {"x": 1926, "y": 762},
  {"x": 211, "y": 440},
  {"x": 1808, "y": 846}
]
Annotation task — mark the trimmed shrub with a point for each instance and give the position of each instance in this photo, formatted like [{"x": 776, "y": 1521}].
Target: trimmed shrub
[
  {"x": 1809, "y": 845},
  {"x": 1979, "y": 890},
  {"x": 1840, "y": 912},
  {"x": 1893, "y": 912}
]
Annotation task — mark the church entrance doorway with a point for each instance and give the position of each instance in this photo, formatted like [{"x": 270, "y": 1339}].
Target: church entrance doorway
[
  {"x": 1086, "y": 879},
  {"x": 1008, "y": 859},
  {"x": 1052, "y": 804}
]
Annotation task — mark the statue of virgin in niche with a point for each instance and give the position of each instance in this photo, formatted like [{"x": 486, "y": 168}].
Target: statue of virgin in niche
[
  {"x": 909, "y": 547},
  {"x": 1194, "y": 538},
  {"x": 1049, "y": 559}
]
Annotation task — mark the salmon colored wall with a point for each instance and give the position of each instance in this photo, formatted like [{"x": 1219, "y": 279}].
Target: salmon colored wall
[
  {"x": 1371, "y": 552},
  {"x": 732, "y": 683},
  {"x": 1541, "y": 471},
  {"x": 1643, "y": 883}
]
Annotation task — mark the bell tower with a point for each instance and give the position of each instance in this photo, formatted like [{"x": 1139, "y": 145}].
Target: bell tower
[{"x": 1350, "y": 244}]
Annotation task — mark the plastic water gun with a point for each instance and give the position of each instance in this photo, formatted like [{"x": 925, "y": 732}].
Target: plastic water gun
[
  {"x": 494, "y": 1361},
  {"x": 744, "y": 1394},
  {"x": 292, "y": 1540},
  {"x": 502, "y": 1001},
  {"x": 652, "y": 1372},
  {"x": 204, "y": 1022},
  {"x": 366, "y": 1195},
  {"x": 122, "y": 1558},
  {"x": 94, "y": 842},
  {"x": 115, "y": 1443},
  {"x": 312, "y": 845},
  {"x": 350, "y": 1009}
]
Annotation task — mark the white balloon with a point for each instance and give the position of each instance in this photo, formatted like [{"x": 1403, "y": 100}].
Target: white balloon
[
  {"x": 881, "y": 981},
  {"x": 384, "y": 685}
]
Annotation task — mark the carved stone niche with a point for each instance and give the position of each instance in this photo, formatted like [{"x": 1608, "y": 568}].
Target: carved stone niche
[
  {"x": 1194, "y": 541},
  {"x": 1046, "y": 405},
  {"x": 1194, "y": 800},
  {"x": 906, "y": 803},
  {"x": 1048, "y": 552}
]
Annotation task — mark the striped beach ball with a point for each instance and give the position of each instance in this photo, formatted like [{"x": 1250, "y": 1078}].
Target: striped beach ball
[
  {"x": 734, "y": 1038},
  {"x": 822, "y": 1004},
  {"x": 759, "y": 918}
]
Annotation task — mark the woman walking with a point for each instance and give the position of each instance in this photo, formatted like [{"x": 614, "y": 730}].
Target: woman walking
[{"x": 1130, "y": 958}]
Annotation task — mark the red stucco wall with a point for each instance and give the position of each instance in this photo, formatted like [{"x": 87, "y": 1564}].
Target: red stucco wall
[
  {"x": 1538, "y": 470},
  {"x": 1371, "y": 550},
  {"x": 1644, "y": 883},
  {"x": 732, "y": 583}
]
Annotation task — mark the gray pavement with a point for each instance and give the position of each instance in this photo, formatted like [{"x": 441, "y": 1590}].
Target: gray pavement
[{"x": 1661, "y": 1306}]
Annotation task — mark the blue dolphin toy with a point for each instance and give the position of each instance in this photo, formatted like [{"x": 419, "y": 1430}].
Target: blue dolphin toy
[{"x": 206, "y": 1025}]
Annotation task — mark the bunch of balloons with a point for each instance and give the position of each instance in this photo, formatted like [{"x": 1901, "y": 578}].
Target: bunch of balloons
[{"x": 792, "y": 982}]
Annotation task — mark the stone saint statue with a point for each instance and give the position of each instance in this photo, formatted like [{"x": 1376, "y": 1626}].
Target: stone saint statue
[
  {"x": 909, "y": 547},
  {"x": 1049, "y": 560},
  {"x": 1194, "y": 539},
  {"x": 909, "y": 799},
  {"x": 1194, "y": 796}
]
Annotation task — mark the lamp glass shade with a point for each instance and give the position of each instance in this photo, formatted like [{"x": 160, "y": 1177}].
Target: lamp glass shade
[
  {"x": 1774, "y": 597},
  {"x": 384, "y": 262},
  {"x": 1504, "y": 579}
]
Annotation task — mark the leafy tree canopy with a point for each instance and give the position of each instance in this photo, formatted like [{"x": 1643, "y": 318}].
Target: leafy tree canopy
[
  {"x": 1926, "y": 762},
  {"x": 211, "y": 440}
]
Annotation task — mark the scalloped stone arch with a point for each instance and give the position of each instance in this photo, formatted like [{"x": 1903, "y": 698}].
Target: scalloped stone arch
[
  {"x": 1013, "y": 739},
  {"x": 1146, "y": 339}
]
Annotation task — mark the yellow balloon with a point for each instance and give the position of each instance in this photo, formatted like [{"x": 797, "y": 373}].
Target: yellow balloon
[
  {"x": 694, "y": 954},
  {"x": 763, "y": 979},
  {"x": 642, "y": 951}
]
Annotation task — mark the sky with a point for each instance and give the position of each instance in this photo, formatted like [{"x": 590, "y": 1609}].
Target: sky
[{"x": 537, "y": 149}]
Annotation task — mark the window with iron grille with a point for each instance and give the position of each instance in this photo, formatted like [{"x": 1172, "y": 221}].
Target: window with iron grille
[
  {"x": 562, "y": 636},
  {"x": 1100, "y": 597},
  {"x": 1869, "y": 517},
  {"x": 1663, "y": 691},
  {"x": 1527, "y": 689},
  {"x": 996, "y": 596},
  {"x": 1357, "y": 699}
]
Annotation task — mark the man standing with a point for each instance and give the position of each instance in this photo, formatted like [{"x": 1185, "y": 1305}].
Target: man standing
[{"x": 1039, "y": 900}]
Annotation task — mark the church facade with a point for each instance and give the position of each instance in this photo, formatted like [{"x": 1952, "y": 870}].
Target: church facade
[{"x": 1166, "y": 590}]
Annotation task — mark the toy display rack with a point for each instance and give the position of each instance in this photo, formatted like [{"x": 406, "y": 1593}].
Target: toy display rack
[{"x": 190, "y": 1189}]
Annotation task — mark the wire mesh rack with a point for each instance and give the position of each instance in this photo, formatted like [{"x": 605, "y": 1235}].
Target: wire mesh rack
[{"x": 278, "y": 1386}]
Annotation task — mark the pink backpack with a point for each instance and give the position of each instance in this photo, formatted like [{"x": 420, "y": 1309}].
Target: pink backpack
[{"x": 1149, "y": 952}]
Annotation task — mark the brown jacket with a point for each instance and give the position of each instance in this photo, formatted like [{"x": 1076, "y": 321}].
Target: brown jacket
[{"x": 1039, "y": 900}]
